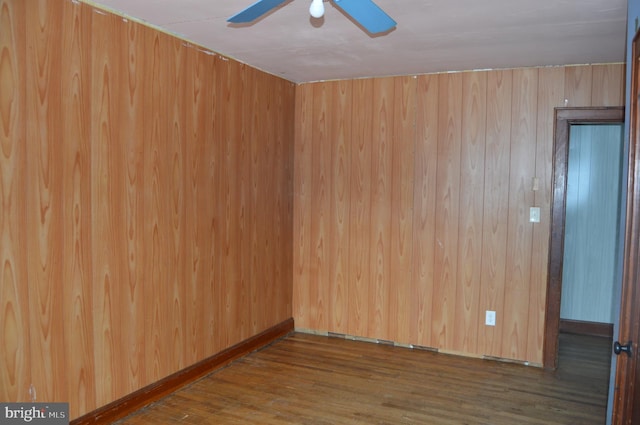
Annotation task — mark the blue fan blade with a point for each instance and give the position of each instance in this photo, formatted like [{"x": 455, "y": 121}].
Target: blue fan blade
[
  {"x": 367, "y": 14},
  {"x": 255, "y": 11}
]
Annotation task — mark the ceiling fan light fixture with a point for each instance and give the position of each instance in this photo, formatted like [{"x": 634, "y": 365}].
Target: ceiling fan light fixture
[
  {"x": 364, "y": 12},
  {"x": 317, "y": 8}
]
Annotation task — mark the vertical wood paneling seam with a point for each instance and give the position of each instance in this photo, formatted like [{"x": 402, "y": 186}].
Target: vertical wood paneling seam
[
  {"x": 347, "y": 268},
  {"x": 483, "y": 257},
  {"x": 433, "y": 337},
  {"x": 484, "y": 200},
  {"x": 415, "y": 144},
  {"x": 460, "y": 173},
  {"x": 340, "y": 263},
  {"x": 484, "y": 165},
  {"x": 459, "y": 280},
  {"x": 535, "y": 228},
  {"x": 413, "y": 206},
  {"x": 383, "y": 99},
  {"x": 413, "y": 105},
  {"x": 481, "y": 107},
  {"x": 46, "y": 77},
  {"x": 13, "y": 113},
  {"x": 301, "y": 205},
  {"x": 77, "y": 269},
  {"x": 509, "y": 199},
  {"x": 370, "y": 195},
  {"x": 508, "y": 266},
  {"x": 532, "y": 226},
  {"x": 428, "y": 326},
  {"x": 527, "y": 85},
  {"x": 503, "y": 95}
]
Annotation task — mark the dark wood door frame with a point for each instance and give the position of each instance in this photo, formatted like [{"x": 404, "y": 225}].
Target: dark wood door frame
[{"x": 565, "y": 117}]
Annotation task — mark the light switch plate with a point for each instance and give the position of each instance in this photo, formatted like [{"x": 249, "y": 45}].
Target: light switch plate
[
  {"x": 534, "y": 214},
  {"x": 490, "y": 318}
]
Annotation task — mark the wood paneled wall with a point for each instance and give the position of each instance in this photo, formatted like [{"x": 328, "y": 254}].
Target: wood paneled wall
[
  {"x": 412, "y": 196},
  {"x": 146, "y": 190}
]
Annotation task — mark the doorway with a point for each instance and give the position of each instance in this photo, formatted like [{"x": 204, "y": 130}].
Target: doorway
[
  {"x": 592, "y": 269},
  {"x": 565, "y": 119}
]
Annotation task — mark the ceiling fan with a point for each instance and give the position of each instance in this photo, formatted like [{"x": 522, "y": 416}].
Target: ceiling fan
[{"x": 364, "y": 12}]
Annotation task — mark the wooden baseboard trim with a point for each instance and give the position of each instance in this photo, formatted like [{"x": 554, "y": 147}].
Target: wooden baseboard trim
[
  {"x": 586, "y": 328},
  {"x": 144, "y": 396}
]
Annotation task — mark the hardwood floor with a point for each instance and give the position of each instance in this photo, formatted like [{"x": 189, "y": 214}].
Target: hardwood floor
[{"x": 308, "y": 379}]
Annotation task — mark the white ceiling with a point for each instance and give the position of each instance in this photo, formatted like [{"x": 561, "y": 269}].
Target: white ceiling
[{"x": 431, "y": 36}]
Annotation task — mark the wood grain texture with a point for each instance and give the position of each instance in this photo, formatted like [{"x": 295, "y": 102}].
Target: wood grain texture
[
  {"x": 44, "y": 204},
  {"x": 197, "y": 101},
  {"x": 302, "y": 199},
  {"x": 424, "y": 199},
  {"x": 15, "y": 373},
  {"x": 472, "y": 170},
  {"x": 251, "y": 203},
  {"x": 577, "y": 327},
  {"x": 249, "y": 209},
  {"x": 271, "y": 191},
  {"x": 208, "y": 198},
  {"x": 578, "y": 86},
  {"x": 143, "y": 183},
  {"x": 228, "y": 83},
  {"x": 495, "y": 216},
  {"x": 519, "y": 229},
  {"x": 321, "y": 206},
  {"x": 283, "y": 208},
  {"x": 220, "y": 215},
  {"x": 131, "y": 106},
  {"x": 608, "y": 85},
  {"x": 481, "y": 140},
  {"x": 356, "y": 382},
  {"x": 174, "y": 192},
  {"x": 162, "y": 226},
  {"x": 380, "y": 207},
  {"x": 340, "y": 194},
  {"x": 447, "y": 211},
  {"x": 360, "y": 218},
  {"x": 403, "y": 163},
  {"x": 156, "y": 390},
  {"x": 282, "y": 205},
  {"x": 76, "y": 165},
  {"x": 260, "y": 309},
  {"x": 107, "y": 208},
  {"x": 155, "y": 129},
  {"x": 266, "y": 190}
]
